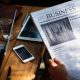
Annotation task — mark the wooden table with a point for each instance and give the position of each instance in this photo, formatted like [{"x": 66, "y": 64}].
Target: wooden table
[{"x": 19, "y": 70}]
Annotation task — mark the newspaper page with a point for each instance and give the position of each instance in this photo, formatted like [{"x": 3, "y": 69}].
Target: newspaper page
[{"x": 59, "y": 27}]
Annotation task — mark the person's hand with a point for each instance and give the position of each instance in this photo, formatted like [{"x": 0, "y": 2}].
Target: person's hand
[{"x": 57, "y": 70}]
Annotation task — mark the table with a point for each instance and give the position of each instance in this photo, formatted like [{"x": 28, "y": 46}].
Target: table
[{"x": 19, "y": 70}]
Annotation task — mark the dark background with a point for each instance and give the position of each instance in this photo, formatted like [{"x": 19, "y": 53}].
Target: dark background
[{"x": 35, "y": 2}]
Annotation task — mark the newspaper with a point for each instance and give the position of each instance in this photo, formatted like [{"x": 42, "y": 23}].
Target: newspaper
[{"x": 59, "y": 27}]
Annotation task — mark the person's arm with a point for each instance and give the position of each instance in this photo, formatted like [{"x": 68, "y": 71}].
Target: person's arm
[{"x": 57, "y": 70}]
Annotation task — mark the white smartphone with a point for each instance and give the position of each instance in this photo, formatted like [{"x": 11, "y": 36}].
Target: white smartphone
[{"x": 23, "y": 53}]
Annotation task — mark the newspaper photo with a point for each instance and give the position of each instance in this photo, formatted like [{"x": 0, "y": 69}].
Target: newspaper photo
[{"x": 59, "y": 27}]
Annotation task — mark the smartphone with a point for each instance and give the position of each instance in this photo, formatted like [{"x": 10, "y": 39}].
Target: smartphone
[{"x": 23, "y": 53}]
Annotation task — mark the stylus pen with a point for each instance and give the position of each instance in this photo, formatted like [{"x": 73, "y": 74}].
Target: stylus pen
[
  {"x": 10, "y": 32},
  {"x": 9, "y": 73}
]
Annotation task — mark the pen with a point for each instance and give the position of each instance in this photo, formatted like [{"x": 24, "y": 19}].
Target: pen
[
  {"x": 7, "y": 44},
  {"x": 9, "y": 73}
]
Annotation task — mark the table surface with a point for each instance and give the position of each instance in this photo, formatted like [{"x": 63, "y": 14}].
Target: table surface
[{"x": 19, "y": 70}]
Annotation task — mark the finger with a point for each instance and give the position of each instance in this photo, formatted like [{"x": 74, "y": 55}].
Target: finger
[
  {"x": 52, "y": 63},
  {"x": 57, "y": 61}
]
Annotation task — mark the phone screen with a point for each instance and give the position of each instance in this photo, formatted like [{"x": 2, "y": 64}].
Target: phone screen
[{"x": 23, "y": 53}]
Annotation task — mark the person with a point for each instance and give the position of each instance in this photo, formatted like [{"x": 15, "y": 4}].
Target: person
[{"x": 57, "y": 70}]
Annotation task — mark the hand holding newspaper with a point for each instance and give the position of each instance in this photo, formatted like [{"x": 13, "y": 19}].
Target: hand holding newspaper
[{"x": 59, "y": 27}]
